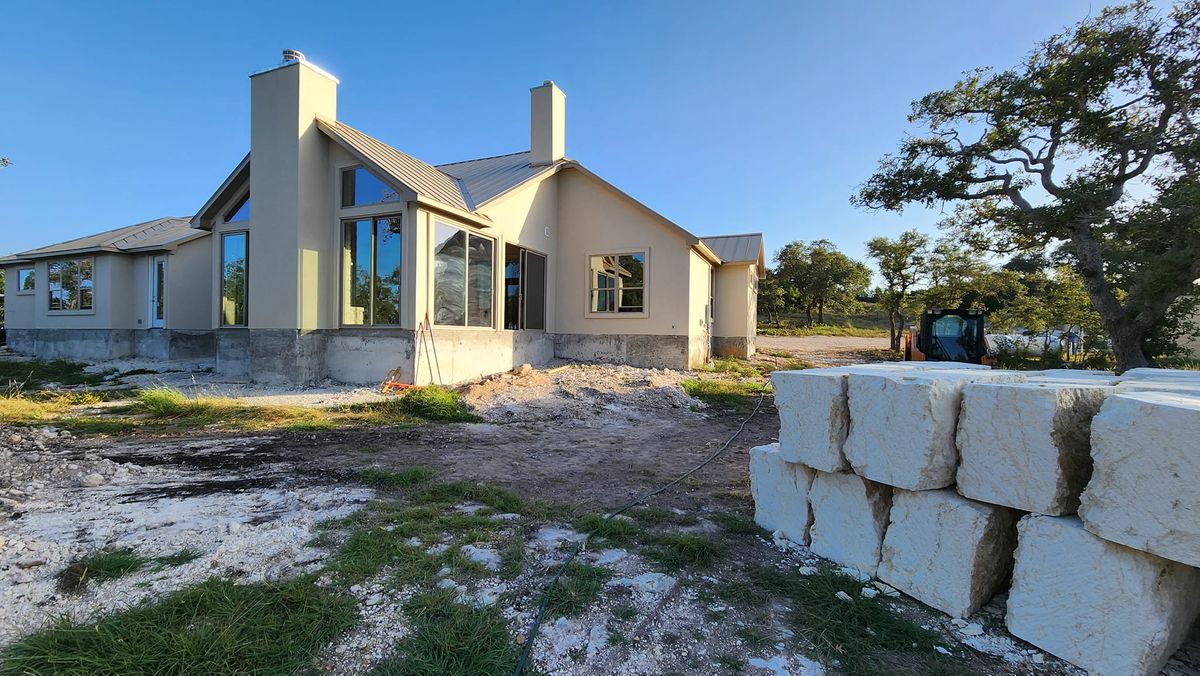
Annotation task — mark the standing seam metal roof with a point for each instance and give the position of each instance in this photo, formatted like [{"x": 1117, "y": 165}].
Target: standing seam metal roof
[
  {"x": 736, "y": 248},
  {"x": 489, "y": 177},
  {"x": 159, "y": 233}
]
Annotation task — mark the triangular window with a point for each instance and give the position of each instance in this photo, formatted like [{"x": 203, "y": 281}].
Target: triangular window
[{"x": 240, "y": 211}]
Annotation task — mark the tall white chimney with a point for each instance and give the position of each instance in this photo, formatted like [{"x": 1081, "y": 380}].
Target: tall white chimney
[{"x": 547, "y": 124}]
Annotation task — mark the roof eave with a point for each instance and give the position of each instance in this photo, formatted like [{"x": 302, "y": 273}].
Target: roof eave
[{"x": 206, "y": 217}]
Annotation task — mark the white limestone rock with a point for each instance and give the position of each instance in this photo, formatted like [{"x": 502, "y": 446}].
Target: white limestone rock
[
  {"x": 902, "y": 424},
  {"x": 947, "y": 551},
  {"x": 1161, "y": 374},
  {"x": 1104, "y": 607},
  {"x": 1143, "y": 492},
  {"x": 1026, "y": 445},
  {"x": 780, "y": 490},
  {"x": 813, "y": 416},
  {"x": 850, "y": 515}
]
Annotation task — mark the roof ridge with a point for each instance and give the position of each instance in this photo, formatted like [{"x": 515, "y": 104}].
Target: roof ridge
[
  {"x": 742, "y": 234},
  {"x": 480, "y": 159}
]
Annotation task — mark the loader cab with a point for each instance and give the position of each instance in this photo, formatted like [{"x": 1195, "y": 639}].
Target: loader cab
[{"x": 948, "y": 335}]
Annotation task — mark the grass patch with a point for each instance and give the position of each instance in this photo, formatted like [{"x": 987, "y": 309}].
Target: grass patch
[
  {"x": 724, "y": 393},
  {"x": 179, "y": 558},
  {"x": 732, "y": 366},
  {"x": 99, "y": 566},
  {"x": 217, "y": 627},
  {"x": 661, "y": 516},
  {"x": 844, "y": 330},
  {"x": 453, "y": 492},
  {"x": 451, "y": 638},
  {"x": 382, "y": 478},
  {"x": 736, "y": 524},
  {"x": 731, "y": 662},
  {"x": 676, "y": 551},
  {"x": 863, "y": 634},
  {"x": 618, "y": 531},
  {"x": 579, "y": 587},
  {"x": 36, "y": 373},
  {"x": 437, "y": 404}
]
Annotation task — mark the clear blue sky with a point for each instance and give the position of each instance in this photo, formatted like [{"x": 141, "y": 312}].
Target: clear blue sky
[{"x": 724, "y": 117}]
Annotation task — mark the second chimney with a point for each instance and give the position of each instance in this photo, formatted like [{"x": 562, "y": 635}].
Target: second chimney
[{"x": 547, "y": 124}]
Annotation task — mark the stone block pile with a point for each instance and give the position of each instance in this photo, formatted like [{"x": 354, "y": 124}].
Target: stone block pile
[{"x": 1077, "y": 491}]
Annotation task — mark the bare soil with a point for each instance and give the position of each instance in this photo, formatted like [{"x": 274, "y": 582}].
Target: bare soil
[{"x": 826, "y": 350}]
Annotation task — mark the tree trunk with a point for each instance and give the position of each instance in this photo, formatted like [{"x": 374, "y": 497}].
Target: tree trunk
[
  {"x": 808, "y": 313},
  {"x": 821, "y": 313},
  {"x": 1126, "y": 339},
  {"x": 895, "y": 323}
]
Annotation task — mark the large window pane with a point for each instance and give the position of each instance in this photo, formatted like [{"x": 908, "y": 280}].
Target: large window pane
[
  {"x": 387, "y": 271},
  {"x": 55, "y": 285},
  {"x": 25, "y": 279},
  {"x": 85, "y": 284},
  {"x": 449, "y": 275},
  {"x": 479, "y": 282},
  {"x": 360, "y": 187},
  {"x": 70, "y": 285},
  {"x": 357, "y": 267},
  {"x": 234, "y": 278}
]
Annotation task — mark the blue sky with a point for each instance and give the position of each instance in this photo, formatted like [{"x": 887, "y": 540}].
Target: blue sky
[{"x": 724, "y": 117}]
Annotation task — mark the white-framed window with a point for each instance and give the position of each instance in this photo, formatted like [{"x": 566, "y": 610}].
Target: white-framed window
[
  {"x": 70, "y": 285},
  {"x": 618, "y": 283},
  {"x": 25, "y": 281},
  {"x": 463, "y": 283}
]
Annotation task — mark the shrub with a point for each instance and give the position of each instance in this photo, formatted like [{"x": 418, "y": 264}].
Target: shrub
[{"x": 437, "y": 404}]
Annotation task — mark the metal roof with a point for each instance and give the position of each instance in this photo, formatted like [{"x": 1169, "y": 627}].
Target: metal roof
[
  {"x": 736, "y": 248},
  {"x": 422, "y": 178},
  {"x": 161, "y": 233},
  {"x": 489, "y": 177}
]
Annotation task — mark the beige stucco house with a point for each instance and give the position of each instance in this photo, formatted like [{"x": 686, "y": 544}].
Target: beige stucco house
[{"x": 333, "y": 255}]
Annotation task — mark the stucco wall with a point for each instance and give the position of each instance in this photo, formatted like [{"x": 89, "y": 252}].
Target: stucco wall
[
  {"x": 18, "y": 305},
  {"x": 190, "y": 286},
  {"x": 699, "y": 329},
  {"x": 737, "y": 304},
  {"x": 593, "y": 220}
]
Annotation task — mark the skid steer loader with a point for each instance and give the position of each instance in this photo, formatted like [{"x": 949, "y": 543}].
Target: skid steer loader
[{"x": 948, "y": 335}]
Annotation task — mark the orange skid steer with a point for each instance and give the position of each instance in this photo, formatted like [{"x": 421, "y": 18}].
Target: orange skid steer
[{"x": 948, "y": 335}]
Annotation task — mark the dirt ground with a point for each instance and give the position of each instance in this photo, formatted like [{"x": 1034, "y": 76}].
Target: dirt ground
[
  {"x": 589, "y": 437},
  {"x": 826, "y": 350}
]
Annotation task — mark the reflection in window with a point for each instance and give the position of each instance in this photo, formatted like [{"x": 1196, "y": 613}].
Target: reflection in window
[
  {"x": 371, "y": 250},
  {"x": 239, "y": 212},
  {"x": 70, "y": 284},
  {"x": 463, "y": 279},
  {"x": 25, "y": 279},
  {"x": 360, "y": 187},
  {"x": 235, "y": 255},
  {"x": 618, "y": 282}
]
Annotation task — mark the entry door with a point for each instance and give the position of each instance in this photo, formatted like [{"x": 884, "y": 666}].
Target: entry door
[
  {"x": 533, "y": 290},
  {"x": 158, "y": 291}
]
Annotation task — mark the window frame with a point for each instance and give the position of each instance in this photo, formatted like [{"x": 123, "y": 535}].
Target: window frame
[
  {"x": 342, "y": 295},
  {"x": 220, "y": 296},
  {"x": 21, "y": 290},
  {"x": 496, "y": 246},
  {"x": 588, "y": 313},
  {"x": 235, "y": 208},
  {"x": 341, "y": 195},
  {"x": 50, "y": 292}
]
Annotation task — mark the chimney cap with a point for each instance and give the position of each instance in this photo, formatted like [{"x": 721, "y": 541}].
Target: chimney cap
[{"x": 293, "y": 55}]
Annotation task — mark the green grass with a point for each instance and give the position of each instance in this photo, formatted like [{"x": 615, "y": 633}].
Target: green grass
[
  {"x": 36, "y": 373},
  {"x": 447, "y": 637},
  {"x": 661, "y": 516},
  {"x": 724, "y": 393},
  {"x": 676, "y": 551},
  {"x": 579, "y": 587},
  {"x": 179, "y": 558},
  {"x": 470, "y": 491},
  {"x": 382, "y": 478},
  {"x": 732, "y": 366},
  {"x": 844, "y": 330},
  {"x": 100, "y": 567},
  {"x": 865, "y": 635},
  {"x": 217, "y": 627},
  {"x": 436, "y": 404},
  {"x": 736, "y": 524},
  {"x": 616, "y": 531},
  {"x": 731, "y": 662}
]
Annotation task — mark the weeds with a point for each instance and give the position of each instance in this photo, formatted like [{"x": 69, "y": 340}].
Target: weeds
[
  {"x": 448, "y": 637},
  {"x": 409, "y": 476},
  {"x": 618, "y": 530},
  {"x": 724, "y": 393},
  {"x": 437, "y": 404},
  {"x": 736, "y": 524},
  {"x": 217, "y": 627},
  {"x": 36, "y": 373},
  {"x": 676, "y": 551},
  {"x": 579, "y": 586},
  {"x": 99, "y": 566}
]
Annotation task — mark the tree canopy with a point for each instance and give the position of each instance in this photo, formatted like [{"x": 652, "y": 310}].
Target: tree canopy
[
  {"x": 1092, "y": 142},
  {"x": 820, "y": 277}
]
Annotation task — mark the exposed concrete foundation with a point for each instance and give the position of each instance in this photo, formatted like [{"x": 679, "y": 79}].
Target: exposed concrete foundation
[
  {"x": 640, "y": 350},
  {"x": 365, "y": 356},
  {"x": 168, "y": 344},
  {"x": 95, "y": 344},
  {"x": 741, "y": 347}
]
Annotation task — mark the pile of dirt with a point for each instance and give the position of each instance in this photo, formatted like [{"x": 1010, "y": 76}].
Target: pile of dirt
[{"x": 575, "y": 393}]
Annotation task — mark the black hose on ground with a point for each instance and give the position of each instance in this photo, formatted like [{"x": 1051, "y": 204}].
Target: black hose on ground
[{"x": 527, "y": 649}]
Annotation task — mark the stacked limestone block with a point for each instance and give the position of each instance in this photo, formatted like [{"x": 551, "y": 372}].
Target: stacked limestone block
[
  {"x": 947, "y": 551},
  {"x": 850, "y": 515},
  {"x": 1104, "y": 607},
  {"x": 1145, "y": 489},
  {"x": 1026, "y": 445},
  {"x": 902, "y": 424},
  {"x": 780, "y": 491}
]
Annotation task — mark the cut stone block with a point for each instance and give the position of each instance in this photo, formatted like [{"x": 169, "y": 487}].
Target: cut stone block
[
  {"x": 1026, "y": 445},
  {"x": 902, "y": 424},
  {"x": 780, "y": 490},
  {"x": 813, "y": 417},
  {"x": 947, "y": 551},
  {"x": 1104, "y": 607},
  {"x": 1143, "y": 492},
  {"x": 850, "y": 515},
  {"x": 1161, "y": 374}
]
